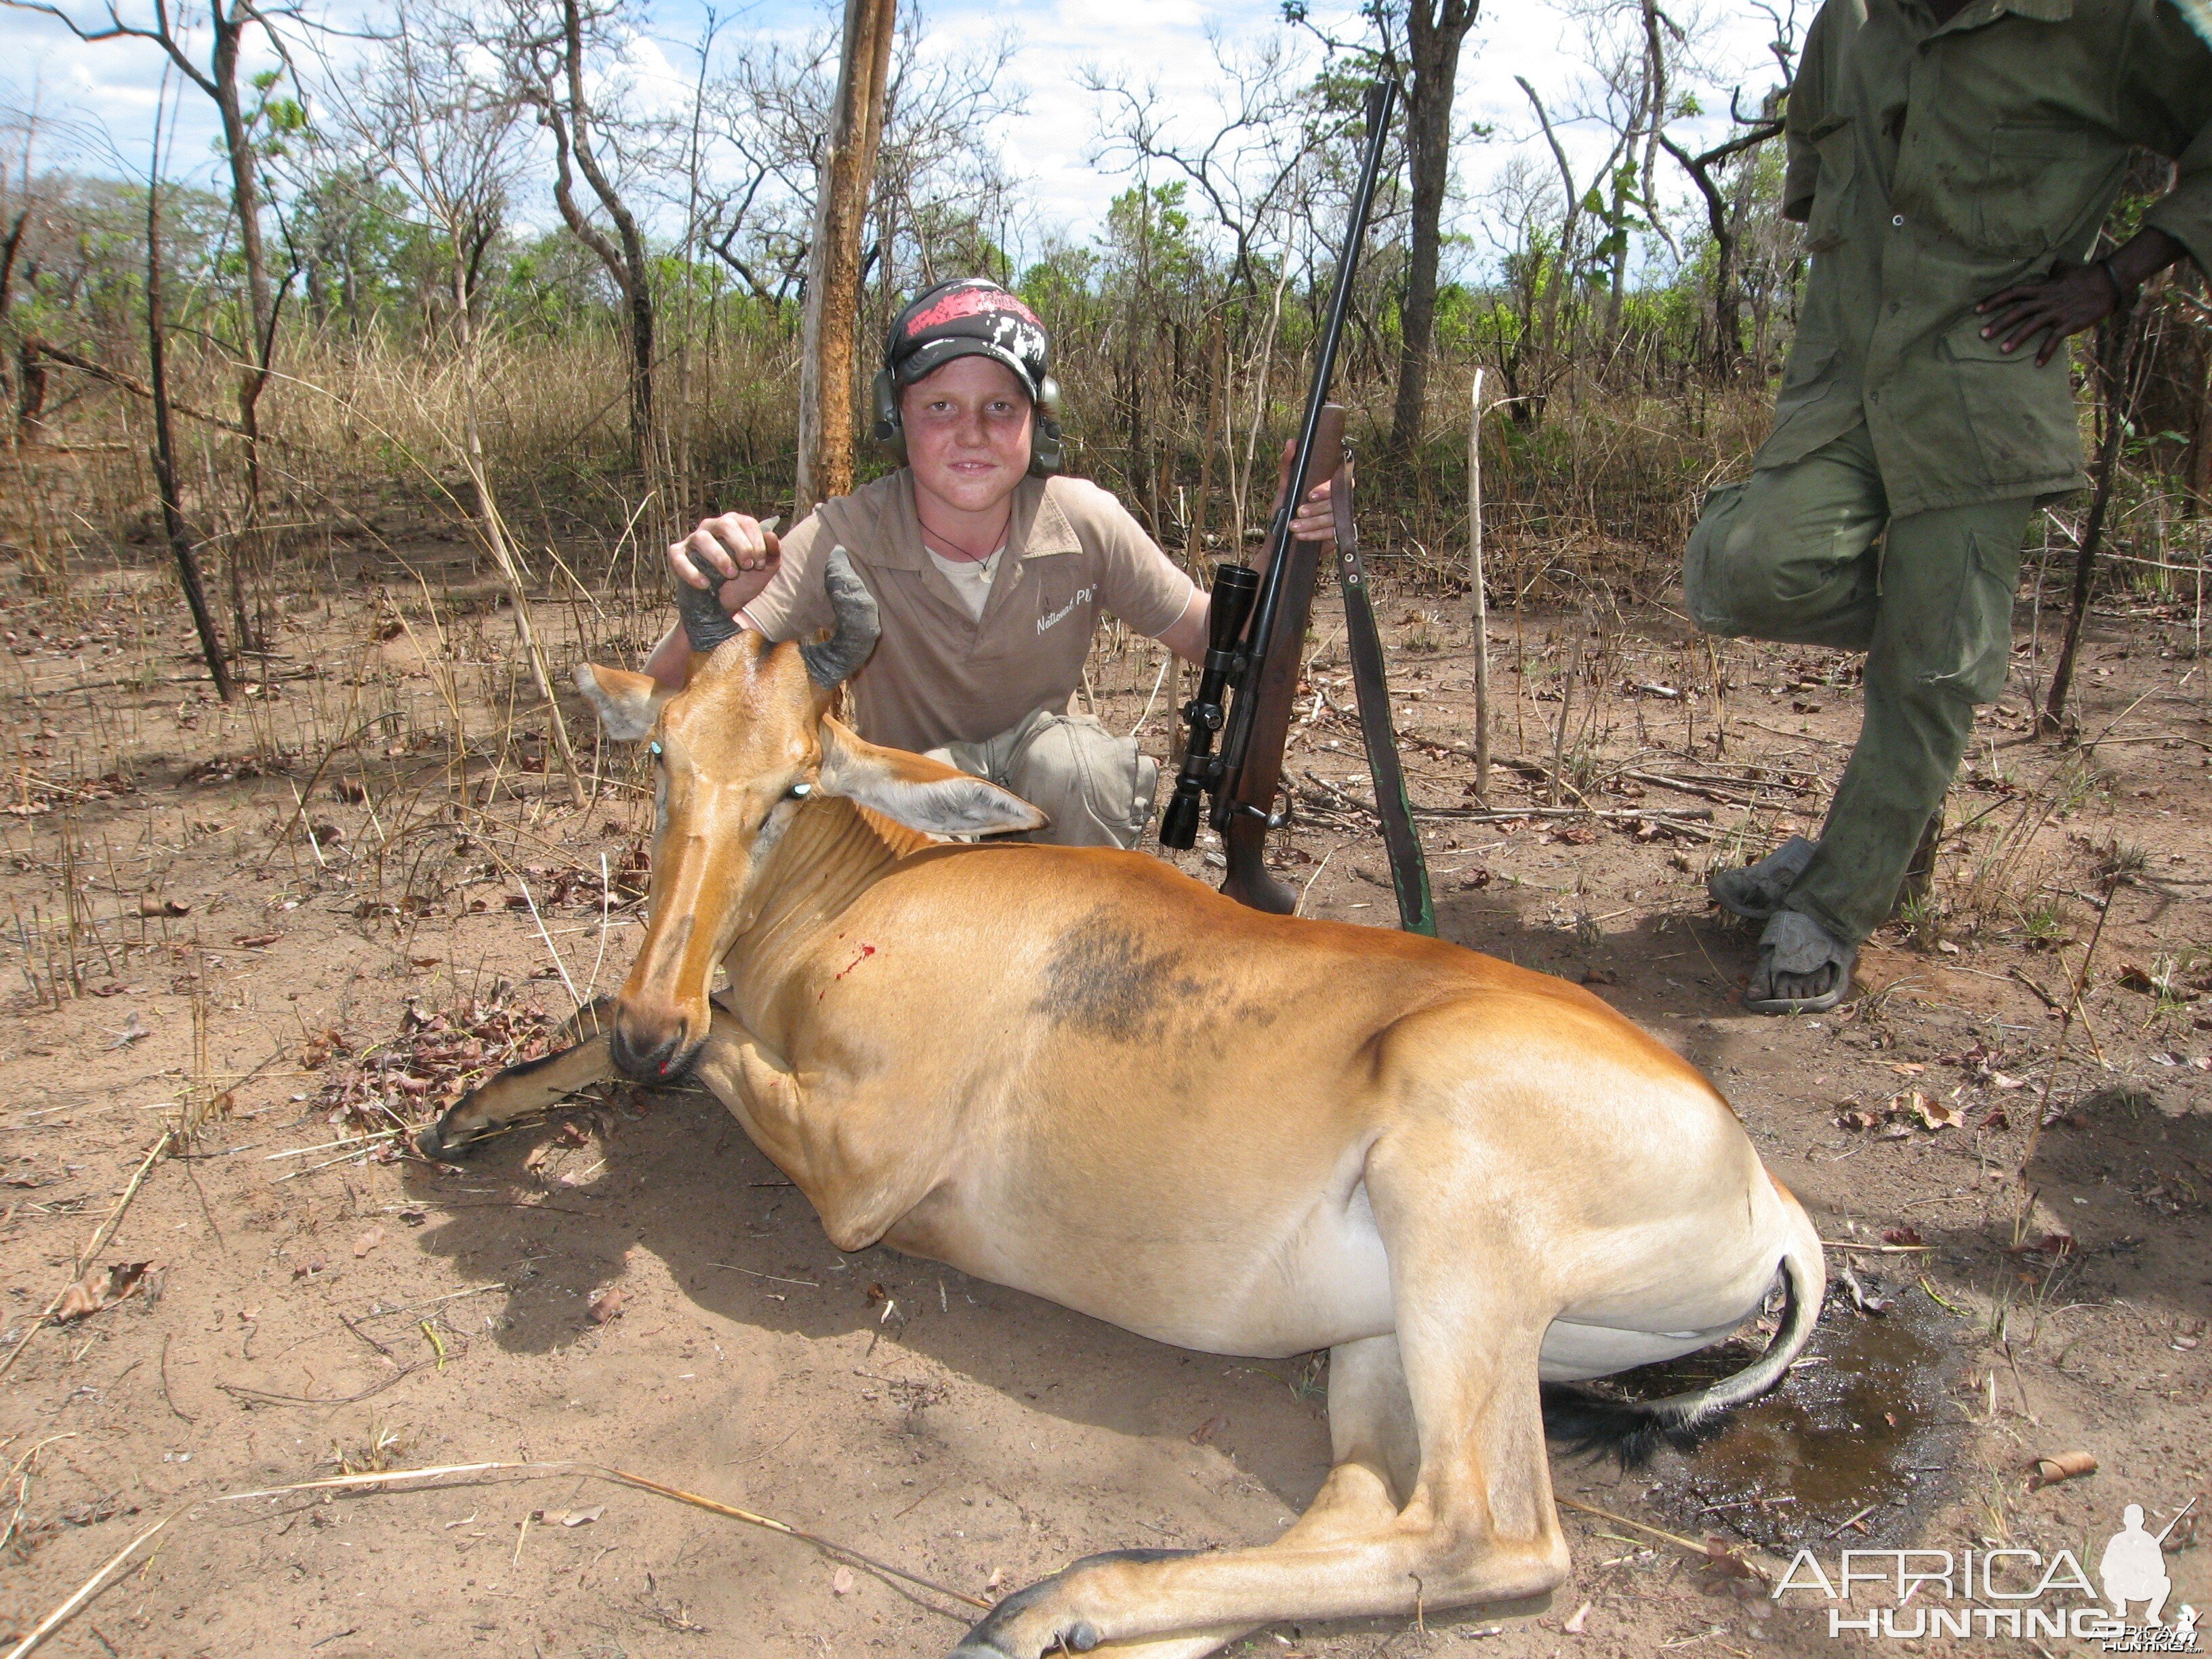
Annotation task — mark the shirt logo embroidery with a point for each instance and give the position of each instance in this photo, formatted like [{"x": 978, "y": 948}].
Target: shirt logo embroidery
[{"x": 1082, "y": 597}]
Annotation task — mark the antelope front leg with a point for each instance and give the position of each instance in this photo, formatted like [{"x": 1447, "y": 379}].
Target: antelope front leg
[{"x": 529, "y": 1087}]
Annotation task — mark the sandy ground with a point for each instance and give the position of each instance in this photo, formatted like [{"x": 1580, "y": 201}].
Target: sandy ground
[{"x": 326, "y": 1305}]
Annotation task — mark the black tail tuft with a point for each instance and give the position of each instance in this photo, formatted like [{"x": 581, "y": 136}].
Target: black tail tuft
[{"x": 1586, "y": 1425}]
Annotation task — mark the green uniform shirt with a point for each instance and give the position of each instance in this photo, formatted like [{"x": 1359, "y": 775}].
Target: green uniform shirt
[{"x": 1934, "y": 165}]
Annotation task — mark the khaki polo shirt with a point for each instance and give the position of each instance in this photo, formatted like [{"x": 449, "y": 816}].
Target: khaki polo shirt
[
  {"x": 939, "y": 675},
  {"x": 1936, "y": 164}
]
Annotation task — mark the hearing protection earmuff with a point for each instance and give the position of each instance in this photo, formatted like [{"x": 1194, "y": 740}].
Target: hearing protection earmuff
[{"x": 1046, "y": 451}]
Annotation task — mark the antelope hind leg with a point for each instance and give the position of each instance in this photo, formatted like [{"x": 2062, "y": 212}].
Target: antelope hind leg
[
  {"x": 581, "y": 1060},
  {"x": 1476, "y": 1526},
  {"x": 1376, "y": 1458}
]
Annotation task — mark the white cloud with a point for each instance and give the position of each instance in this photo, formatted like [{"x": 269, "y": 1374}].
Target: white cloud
[{"x": 1164, "y": 45}]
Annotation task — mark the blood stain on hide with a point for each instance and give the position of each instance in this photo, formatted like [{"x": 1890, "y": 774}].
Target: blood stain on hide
[{"x": 1103, "y": 981}]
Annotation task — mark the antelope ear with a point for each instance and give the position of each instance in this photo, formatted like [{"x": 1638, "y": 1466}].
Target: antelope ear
[
  {"x": 917, "y": 792},
  {"x": 628, "y": 703}
]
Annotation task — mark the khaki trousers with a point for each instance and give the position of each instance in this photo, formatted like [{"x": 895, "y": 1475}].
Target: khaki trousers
[
  {"x": 1096, "y": 788},
  {"x": 1808, "y": 554}
]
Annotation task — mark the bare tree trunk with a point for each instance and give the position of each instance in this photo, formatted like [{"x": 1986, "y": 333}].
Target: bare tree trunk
[
  {"x": 2116, "y": 343},
  {"x": 221, "y": 85},
  {"x": 1434, "y": 38},
  {"x": 833, "y": 279},
  {"x": 165, "y": 454}
]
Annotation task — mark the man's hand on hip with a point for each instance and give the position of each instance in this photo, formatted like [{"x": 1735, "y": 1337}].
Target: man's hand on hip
[
  {"x": 735, "y": 550},
  {"x": 2077, "y": 297}
]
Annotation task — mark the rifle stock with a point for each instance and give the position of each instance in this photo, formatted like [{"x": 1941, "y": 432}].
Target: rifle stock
[{"x": 1245, "y": 806}]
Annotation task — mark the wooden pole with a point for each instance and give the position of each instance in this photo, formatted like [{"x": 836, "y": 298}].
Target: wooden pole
[
  {"x": 833, "y": 268},
  {"x": 1475, "y": 588}
]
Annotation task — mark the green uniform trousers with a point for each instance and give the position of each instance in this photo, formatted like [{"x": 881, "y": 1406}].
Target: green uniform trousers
[
  {"x": 1808, "y": 554},
  {"x": 1096, "y": 788}
]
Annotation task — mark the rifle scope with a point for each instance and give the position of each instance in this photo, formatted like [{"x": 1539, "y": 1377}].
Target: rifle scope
[{"x": 1234, "y": 588}]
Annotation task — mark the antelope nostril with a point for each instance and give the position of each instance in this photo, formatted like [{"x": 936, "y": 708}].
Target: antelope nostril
[{"x": 653, "y": 1049}]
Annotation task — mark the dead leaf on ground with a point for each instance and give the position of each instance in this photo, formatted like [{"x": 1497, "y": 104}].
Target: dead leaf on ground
[
  {"x": 368, "y": 1242},
  {"x": 103, "y": 1287},
  {"x": 841, "y": 1582},
  {"x": 133, "y": 1029},
  {"x": 1722, "y": 1561},
  {"x": 153, "y": 904},
  {"x": 1857, "y": 1117},
  {"x": 607, "y": 1306},
  {"x": 1933, "y": 1113},
  {"x": 1600, "y": 976},
  {"x": 1575, "y": 1625},
  {"x": 570, "y": 1517},
  {"x": 255, "y": 941},
  {"x": 1907, "y": 1234},
  {"x": 2063, "y": 1465},
  {"x": 1205, "y": 1430}
]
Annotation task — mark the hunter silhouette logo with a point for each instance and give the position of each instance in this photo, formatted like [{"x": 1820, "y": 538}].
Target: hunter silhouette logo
[
  {"x": 2133, "y": 1569},
  {"x": 2008, "y": 1591}
]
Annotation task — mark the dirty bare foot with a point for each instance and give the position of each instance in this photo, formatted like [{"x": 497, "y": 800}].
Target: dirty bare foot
[{"x": 1802, "y": 969}]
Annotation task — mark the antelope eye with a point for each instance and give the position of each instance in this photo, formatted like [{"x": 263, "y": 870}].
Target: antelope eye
[
  {"x": 798, "y": 792},
  {"x": 654, "y": 746}
]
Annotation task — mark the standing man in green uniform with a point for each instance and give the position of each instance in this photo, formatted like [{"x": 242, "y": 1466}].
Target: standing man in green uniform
[{"x": 1952, "y": 161}]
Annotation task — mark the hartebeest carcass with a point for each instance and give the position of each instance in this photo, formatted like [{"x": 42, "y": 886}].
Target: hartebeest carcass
[{"x": 1080, "y": 1073}]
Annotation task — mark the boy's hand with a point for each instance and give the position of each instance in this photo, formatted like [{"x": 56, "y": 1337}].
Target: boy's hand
[
  {"x": 736, "y": 551},
  {"x": 1313, "y": 521}
]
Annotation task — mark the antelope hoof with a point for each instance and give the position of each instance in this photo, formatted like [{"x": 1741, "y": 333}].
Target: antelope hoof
[
  {"x": 439, "y": 1142},
  {"x": 996, "y": 1636}
]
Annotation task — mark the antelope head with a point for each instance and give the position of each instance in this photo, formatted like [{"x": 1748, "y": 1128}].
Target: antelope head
[{"x": 738, "y": 753}]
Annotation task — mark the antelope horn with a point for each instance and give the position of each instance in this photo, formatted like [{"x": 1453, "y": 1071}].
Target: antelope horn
[
  {"x": 706, "y": 624},
  {"x": 831, "y": 662}
]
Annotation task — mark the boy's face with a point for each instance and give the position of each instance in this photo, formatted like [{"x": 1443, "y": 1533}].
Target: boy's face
[{"x": 968, "y": 432}]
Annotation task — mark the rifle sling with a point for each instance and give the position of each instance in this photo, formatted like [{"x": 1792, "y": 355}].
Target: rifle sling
[{"x": 1409, "y": 872}]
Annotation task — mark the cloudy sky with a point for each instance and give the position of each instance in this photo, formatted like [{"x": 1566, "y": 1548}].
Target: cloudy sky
[{"x": 104, "y": 92}]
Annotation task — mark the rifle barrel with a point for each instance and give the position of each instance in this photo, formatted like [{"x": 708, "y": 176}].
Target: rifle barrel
[{"x": 1381, "y": 99}]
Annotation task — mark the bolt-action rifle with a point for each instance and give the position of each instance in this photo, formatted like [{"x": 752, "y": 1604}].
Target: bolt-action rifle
[{"x": 1257, "y": 625}]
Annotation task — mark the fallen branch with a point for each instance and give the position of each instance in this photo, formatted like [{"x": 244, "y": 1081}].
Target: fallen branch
[
  {"x": 1703, "y": 1551},
  {"x": 620, "y": 1478},
  {"x": 1686, "y": 819},
  {"x": 129, "y": 383},
  {"x": 84, "y": 1592}
]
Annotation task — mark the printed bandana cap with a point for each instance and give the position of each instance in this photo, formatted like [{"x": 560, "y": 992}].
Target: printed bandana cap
[{"x": 969, "y": 317}]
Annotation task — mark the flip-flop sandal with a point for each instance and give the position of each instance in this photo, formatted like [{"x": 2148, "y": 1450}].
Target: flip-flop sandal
[
  {"x": 1755, "y": 891},
  {"x": 1795, "y": 943}
]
